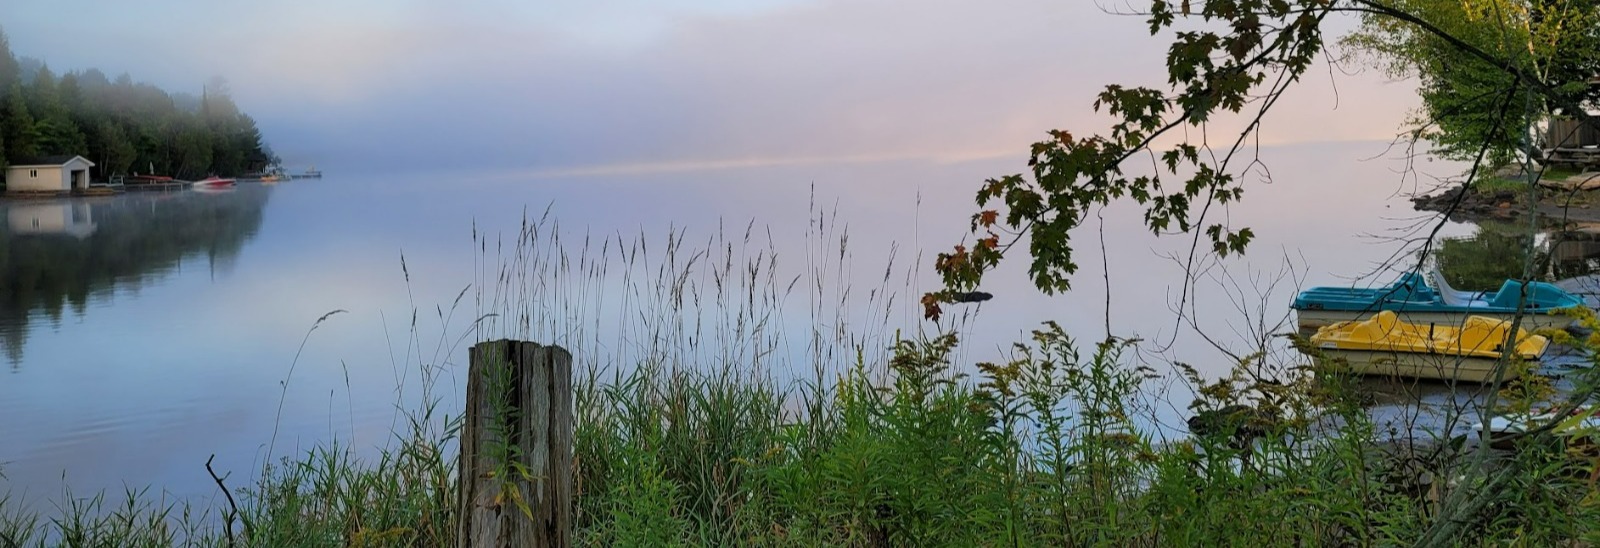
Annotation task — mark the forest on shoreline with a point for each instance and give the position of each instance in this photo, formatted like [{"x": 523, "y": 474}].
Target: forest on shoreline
[{"x": 123, "y": 126}]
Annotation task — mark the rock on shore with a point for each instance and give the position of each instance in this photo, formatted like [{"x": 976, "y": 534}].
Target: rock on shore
[{"x": 1503, "y": 204}]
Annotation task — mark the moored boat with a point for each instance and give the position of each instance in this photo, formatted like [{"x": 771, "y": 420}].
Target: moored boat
[
  {"x": 1384, "y": 345},
  {"x": 213, "y": 182},
  {"x": 215, "y": 189},
  {"x": 1417, "y": 302}
]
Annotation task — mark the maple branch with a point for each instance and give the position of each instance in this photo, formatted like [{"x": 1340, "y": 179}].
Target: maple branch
[{"x": 1275, "y": 92}]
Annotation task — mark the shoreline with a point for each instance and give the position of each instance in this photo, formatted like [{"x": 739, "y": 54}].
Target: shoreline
[{"x": 1561, "y": 209}]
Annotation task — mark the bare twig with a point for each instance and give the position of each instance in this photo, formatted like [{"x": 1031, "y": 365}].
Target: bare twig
[{"x": 233, "y": 507}]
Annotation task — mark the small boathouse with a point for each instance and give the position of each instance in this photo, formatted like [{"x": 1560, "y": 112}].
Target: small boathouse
[{"x": 48, "y": 174}]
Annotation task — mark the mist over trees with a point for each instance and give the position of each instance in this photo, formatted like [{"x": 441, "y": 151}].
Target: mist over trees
[{"x": 122, "y": 126}]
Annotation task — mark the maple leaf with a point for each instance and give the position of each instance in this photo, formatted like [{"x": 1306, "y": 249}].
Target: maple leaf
[
  {"x": 930, "y": 307},
  {"x": 988, "y": 217}
]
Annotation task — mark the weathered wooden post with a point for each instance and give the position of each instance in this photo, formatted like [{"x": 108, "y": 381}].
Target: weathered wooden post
[{"x": 516, "y": 447}]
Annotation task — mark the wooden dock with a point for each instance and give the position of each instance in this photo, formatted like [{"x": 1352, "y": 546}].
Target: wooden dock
[
  {"x": 36, "y": 194},
  {"x": 99, "y": 190},
  {"x": 156, "y": 187}
]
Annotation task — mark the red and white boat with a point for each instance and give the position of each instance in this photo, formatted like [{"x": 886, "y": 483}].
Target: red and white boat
[{"x": 213, "y": 182}]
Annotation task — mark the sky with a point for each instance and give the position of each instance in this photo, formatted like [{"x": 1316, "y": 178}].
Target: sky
[{"x": 569, "y": 88}]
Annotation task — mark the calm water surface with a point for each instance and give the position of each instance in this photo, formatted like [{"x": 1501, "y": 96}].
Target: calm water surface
[{"x": 143, "y": 333}]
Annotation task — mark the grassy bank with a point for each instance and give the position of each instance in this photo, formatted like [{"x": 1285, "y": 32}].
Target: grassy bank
[
  {"x": 1038, "y": 451},
  {"x": 1497, "y": 184},
  {"x": 691, "y": 432}
]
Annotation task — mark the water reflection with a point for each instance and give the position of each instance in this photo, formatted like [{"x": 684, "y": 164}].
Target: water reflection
[
  {"x": 1497, "y": 252},
  {"x": 74, "y": 219},
  {"x": 61, "y": 254}
]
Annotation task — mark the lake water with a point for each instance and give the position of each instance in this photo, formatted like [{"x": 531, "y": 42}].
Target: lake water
[{"x": 145, "y": 332}]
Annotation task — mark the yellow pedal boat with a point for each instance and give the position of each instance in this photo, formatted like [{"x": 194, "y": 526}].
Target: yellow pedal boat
[{"x": 1384, "y": 345}]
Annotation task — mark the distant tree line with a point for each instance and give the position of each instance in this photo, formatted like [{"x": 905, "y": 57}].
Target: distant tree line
[{"x": 122, "y": 126}]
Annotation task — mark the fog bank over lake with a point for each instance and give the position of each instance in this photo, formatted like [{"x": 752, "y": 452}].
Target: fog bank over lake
[{"x": 569, "y": 85}]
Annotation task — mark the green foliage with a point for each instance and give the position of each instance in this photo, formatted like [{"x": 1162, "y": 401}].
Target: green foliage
[
  {"x": 1555, "y": 41},
  {"x": 58, "y": 132},
  {"x": 124, "y": 127},
  {"x": 114, "y": 149},
  {"x": 17, "y": 125},
  {"x": 328, "y": 498},
  {"x": 1044, "y": 452},
  {"x": 1519, "y": 183},
  {"x": 1487, "y": 70},
  {"x": 10, "y": 72},
  {"x": 1262, "y": 47}
]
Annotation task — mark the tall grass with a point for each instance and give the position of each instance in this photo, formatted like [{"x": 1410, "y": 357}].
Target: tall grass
[
  {"x": 729, "y": 396},
  {"x": 687, "y": 436}
]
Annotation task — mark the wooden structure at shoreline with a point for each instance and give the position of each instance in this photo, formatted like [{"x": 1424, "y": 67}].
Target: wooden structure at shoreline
[
  {"x": 61, "y": 174},
  {"x": 93, "y": 190},
  {"x": 146, "y": 183},
  {"x": 1573, "y": 143},
  {"x": 159, "y": 187},
  {"x": 515, "y": 471}
]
